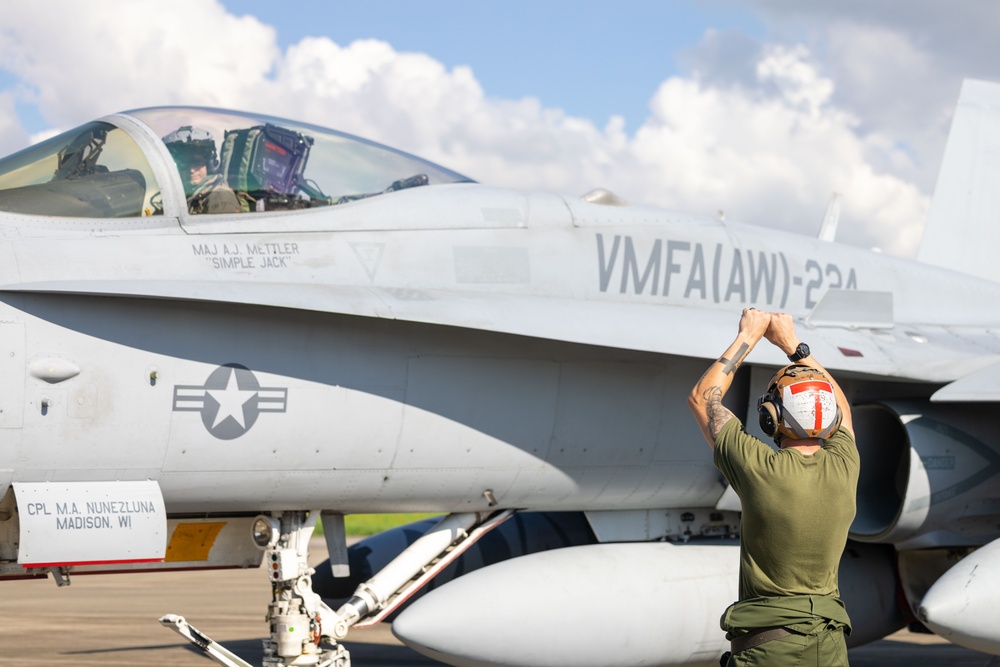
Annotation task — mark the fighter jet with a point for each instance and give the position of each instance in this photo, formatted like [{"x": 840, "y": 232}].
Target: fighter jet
[{"x": 217, "y": 327}]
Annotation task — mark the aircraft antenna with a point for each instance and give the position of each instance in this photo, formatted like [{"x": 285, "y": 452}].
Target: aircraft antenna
[{"x": 828, "y": 228}]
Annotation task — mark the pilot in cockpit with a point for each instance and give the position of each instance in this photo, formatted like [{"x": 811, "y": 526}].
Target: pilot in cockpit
[{"x": 193, "y": 149}]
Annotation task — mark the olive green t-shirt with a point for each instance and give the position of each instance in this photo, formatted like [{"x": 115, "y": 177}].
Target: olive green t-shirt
[{"x": 796, "y": 511}]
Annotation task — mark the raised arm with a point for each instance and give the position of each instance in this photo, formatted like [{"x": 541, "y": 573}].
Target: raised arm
[
  {"x": 705, "y": 400},
  {"x": 781, "y": 333}
]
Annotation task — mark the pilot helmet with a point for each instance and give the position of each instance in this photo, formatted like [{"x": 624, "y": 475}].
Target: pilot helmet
[
  {"x": 192, "y": 146},
  {"x": 799, "y": 403}
]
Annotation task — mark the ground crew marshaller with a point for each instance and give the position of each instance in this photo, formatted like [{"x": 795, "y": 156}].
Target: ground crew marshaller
[{"x": 798, "y": 502}]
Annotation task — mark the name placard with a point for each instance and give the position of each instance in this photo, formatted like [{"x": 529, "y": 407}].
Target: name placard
[{"x": 88, "y": 523}]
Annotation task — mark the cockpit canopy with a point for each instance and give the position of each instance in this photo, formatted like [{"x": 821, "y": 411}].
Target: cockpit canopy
[
  {"x": 93, "y": 171},
  {"x": 228, "y": 162}
]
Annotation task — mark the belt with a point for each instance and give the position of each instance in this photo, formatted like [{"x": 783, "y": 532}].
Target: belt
[{"x": 756, "y": 638}]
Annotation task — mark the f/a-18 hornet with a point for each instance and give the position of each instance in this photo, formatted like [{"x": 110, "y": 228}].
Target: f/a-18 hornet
[{"x": 217, "y": 327}]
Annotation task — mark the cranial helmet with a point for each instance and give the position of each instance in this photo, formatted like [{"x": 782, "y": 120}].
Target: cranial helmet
[
  {"x": 799, "y": 404},
  {"x": 191, "y": 145}
]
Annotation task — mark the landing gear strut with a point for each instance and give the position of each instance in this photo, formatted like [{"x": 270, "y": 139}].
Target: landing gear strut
[
  {"x": 304, "y": 630},
  {"x": 295, "y": 614}
]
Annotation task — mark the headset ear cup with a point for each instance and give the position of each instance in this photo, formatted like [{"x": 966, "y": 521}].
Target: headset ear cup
[{"x": 767, "y": 414}]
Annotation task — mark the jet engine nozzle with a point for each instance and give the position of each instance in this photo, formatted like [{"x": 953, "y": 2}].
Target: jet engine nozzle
[{"x": 921, "y": 464}]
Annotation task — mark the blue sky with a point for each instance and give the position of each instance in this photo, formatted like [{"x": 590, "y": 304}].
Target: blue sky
[{"x": 759, "y": 108}]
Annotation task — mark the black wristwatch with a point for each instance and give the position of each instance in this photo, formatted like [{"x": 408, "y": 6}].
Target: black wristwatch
[{"x": 800, "y": 353}]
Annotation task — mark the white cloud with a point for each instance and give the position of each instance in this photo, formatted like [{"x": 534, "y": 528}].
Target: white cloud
[
  {"x": 769, "y": 153},
  {"x": 898, "y": 64},
  {"x": 799, "y": 82},
  {"x": 774, "y": 160},
  {"x": 87, "y": 59},
  {"x": 12, "y": 135}
]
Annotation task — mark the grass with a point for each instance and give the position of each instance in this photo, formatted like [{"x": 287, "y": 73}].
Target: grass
[{"x": 363, "y": 525}]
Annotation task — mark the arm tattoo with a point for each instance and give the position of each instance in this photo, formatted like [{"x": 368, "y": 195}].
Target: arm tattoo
[
  {"x": 730, "y": 366},
  {"x": 717, "y": 413}
]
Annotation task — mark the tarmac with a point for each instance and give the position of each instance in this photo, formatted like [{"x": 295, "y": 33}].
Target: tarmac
[{"x": 112, "y": 621}]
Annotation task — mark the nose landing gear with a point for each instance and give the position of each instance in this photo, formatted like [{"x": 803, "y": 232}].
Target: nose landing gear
[{"x": 297, "y": 615}]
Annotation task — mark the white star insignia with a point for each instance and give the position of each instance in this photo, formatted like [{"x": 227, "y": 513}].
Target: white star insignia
[{"x": 231, "y": 401}]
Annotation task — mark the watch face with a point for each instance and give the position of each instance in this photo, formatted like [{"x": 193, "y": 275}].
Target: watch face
[{"x": 801, "y": 352}]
